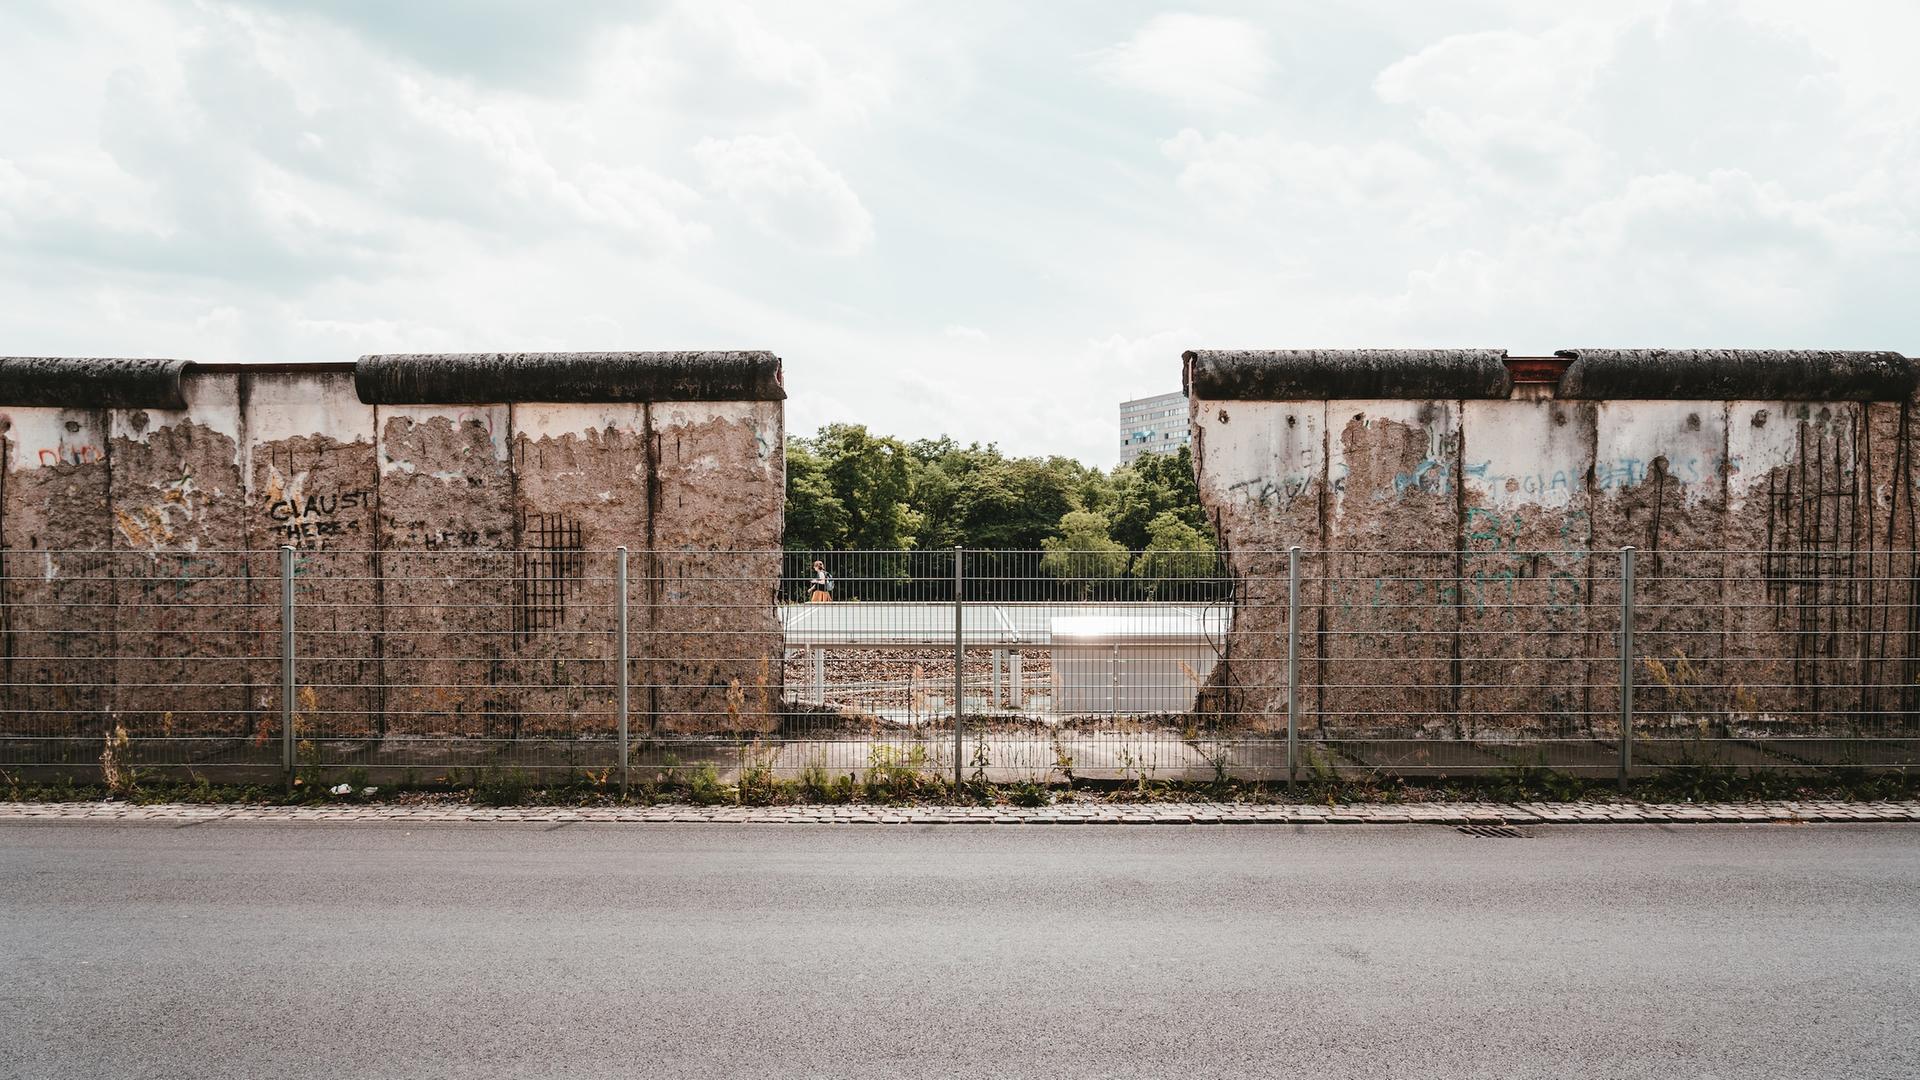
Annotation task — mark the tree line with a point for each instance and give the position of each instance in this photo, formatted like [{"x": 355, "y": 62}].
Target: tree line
[{"x": 849, "y": 489}]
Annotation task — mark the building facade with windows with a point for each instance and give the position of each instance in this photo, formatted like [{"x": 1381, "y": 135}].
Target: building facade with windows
[{"x": 1153, "y": 425}]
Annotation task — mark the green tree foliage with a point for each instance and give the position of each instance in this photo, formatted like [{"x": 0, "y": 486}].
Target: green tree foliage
[
  {"x": 869, "y": 477},
  {"x": 816, "y": 518},
  {"x": 976, "y": 497},
  {"x": 848, "y": 488},
  {"x": 1175, "y": 553},
  {"x": 1152, "y": 485},
  {"x": 1083, "y": 551}
]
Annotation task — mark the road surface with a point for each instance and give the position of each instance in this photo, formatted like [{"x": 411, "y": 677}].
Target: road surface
[{"x": 465, "y": 950}]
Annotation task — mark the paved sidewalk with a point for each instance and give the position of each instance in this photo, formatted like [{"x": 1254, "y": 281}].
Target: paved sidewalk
[{"x": 1603, "y": 813}]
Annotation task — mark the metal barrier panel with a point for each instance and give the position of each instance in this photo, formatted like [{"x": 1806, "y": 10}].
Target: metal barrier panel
[
  {"x": 165, "y": 657},
  {"x": 438, "y": 657}
]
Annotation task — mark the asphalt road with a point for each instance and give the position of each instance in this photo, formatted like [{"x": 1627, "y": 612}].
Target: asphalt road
[{"x": 234, "y": 950}]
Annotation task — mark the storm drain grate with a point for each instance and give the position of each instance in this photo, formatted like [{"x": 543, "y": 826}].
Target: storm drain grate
[{"x": 1497, "y": 832}]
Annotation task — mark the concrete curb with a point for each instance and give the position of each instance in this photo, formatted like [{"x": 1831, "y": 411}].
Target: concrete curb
[{"x": 1065, "y": 814}]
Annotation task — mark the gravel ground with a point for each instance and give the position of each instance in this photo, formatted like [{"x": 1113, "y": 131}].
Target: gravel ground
[{"x": 907, "y": 678}]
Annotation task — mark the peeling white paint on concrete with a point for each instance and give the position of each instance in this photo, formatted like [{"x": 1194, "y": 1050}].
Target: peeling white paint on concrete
[
  {"x": 1630, "y": 436},
  {"x": 295, "y": 405},
  {"x": 213, "y": 402},
  {"x": 760, "y": 422},
  {"x": 542, "y": 420},
  {"x": 40, "y": 438},
  {"x": 1532, "y": 451},
  {"x": 495, "y": 419},
  {"x": 1766, "y": 435},
  {"x": 1261, "y": 454},
  {"x": 1435, "y": 473}
]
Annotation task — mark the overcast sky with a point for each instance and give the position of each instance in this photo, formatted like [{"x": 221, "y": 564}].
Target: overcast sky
[{"x": 993, "y": 220}]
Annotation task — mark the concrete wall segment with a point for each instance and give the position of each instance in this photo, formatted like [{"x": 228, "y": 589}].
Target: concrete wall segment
[
  {"x": 712, "y": 637},
  {"x": 1527, "y": 623},
  {"x": 1818, "y": 494},
  {"x": 1262, "y": 466},
  {"x": 1387, "y": 608},
  {"x": 57, "y": 524}
]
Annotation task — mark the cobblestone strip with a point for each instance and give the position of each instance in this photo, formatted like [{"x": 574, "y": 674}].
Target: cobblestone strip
[{"x": 1603, "y": 813}]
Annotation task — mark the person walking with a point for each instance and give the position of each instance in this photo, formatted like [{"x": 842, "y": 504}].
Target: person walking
[{"x": 822, "y": 584}]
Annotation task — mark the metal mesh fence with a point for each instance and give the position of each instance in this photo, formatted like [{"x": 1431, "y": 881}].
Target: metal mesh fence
[{"x": 1103, "y": 665}]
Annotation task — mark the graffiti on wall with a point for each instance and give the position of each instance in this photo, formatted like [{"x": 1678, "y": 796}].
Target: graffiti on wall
[{"x": 312, "y": 517}]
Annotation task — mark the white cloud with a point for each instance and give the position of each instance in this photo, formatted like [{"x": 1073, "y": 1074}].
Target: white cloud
[
  {"x": 1672, "y": 258},
  {"x": 1201, "y": 61},
  {"x": 787, "y": 191},
  {"x": 1234, "y": 171},
  {"x": 1505, "y": 105},
  {"x": 1501, "y": 71},
  {"x": 286, "y": 179},
  {"x": 248, "y": 153}
]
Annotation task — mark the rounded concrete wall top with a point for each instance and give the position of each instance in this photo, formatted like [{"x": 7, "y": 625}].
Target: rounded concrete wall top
[
  {"x": 480, "y": 378},
  {"x": 1737, "y": 375},
  {"x": 1312, "y": 374},
  {"x": 92, "y": 382}
]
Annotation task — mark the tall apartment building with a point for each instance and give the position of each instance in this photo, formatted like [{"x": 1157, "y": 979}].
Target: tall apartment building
[{"x": 1153, "y": 425}]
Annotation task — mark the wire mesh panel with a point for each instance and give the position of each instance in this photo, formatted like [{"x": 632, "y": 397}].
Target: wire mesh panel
[
  {"x": 167, "y": 657},
  {"x": 1458, "y": 661},
  {"x": 1064, "y": 655},
  {"x": 1003, "y": 665},
  {"x": 1773, "y": 659},
  {"x": 459, "y": 658},
  {"x": 712, "y": 642}
]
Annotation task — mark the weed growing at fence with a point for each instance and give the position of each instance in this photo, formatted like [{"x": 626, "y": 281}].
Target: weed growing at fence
[
  {"x": 1028, "y": 793},
  {"x": 897, "y": 774},
  {"x": 116, "y": 770},
  {"x": 705, "y": 789},
  {"x": 1062, "y": 759},
  {"x": 1527, "y": 783},
  {"x": 758, "y": 784},
  {"x": 815, "y": 781},
  {"x": 501, "y": 787},
  {"x": 908, "y": 775},
  {"x": 1708, "y": 783},
  {"x": 980, "y": 760},
  {"x": 1219, "y": 758}
]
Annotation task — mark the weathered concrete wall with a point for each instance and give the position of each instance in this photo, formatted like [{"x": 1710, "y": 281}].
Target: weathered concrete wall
[
  {"x": 1527, "y": 622},
  {"x": 1819, "y": 502},
  {"x": 446, "y": 522},
  {"x": 583, "y": 474},
  {"x": 1659, "y": 484},
  {"x": 715, "y": 532},
  {"x": 1266, "y": 485},
  {"x": 314, "y": 485},
  {"x": 1388, "y": 605},
  {"x": 56, "y": 526},
  {"x": 189, "y": 613},
  {"x": 454, "y": 562},
  {"x": 1772, "y": 537}
]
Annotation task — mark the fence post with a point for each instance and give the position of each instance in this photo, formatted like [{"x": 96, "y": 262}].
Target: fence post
[
  {"x": 1293, "y": 664},
  {"x": 1626, "y": 664},
  {"x": 620, "y": 635},
  {"x": 286, "y": 664},
  {"x": 959, "y": 659}
]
